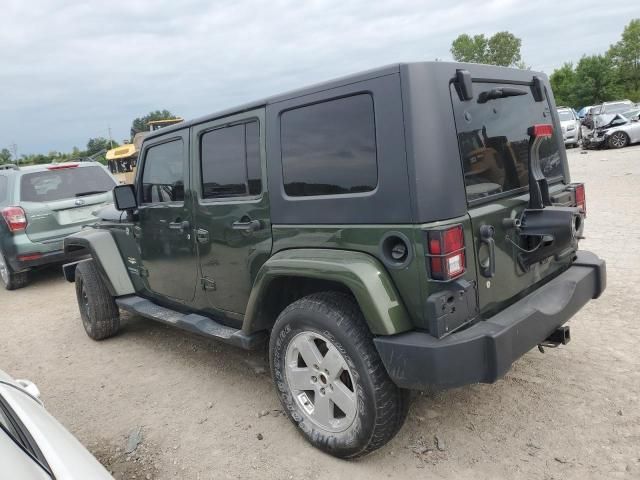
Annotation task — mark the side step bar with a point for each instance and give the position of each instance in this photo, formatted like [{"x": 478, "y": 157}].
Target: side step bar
[{"x": 191, "y": 322}]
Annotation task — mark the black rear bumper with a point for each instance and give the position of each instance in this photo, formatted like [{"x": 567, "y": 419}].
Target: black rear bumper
[{"x": 484, "y": 352}]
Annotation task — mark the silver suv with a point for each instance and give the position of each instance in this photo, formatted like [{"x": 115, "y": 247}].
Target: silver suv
[{"x": 39, "y": 206}]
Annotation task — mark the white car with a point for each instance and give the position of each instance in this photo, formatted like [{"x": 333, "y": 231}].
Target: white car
[
  {"x": 570, "y": 125},
  {"x": 33, "y": 444}
]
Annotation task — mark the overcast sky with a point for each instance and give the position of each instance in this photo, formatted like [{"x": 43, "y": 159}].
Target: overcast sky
[{"x": 69, "y": 70}]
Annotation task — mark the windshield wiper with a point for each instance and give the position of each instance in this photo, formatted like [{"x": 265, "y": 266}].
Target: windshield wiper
[
  {"x": 501, "y": 92},
  {"x": 90, "y": 192}
]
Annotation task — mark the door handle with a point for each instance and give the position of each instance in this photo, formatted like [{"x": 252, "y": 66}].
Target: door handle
[
  {"x": 488, "y": 267},
  {"x": 247, "y": 226},
  {"x": 179, "y": 225}
]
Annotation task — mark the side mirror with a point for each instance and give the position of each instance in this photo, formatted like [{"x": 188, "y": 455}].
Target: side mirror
[{"x": 124, "y": 197}]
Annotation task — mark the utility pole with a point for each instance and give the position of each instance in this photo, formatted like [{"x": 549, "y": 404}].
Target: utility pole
[
  {"x": 14, "y": 150},
  {"x": 110, "y": 141}
]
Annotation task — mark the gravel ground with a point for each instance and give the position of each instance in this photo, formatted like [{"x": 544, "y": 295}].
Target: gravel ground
[{"x": 206, "y": 410}]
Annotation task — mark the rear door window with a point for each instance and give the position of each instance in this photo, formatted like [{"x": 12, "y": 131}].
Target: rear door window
[
  {"x": 64, "y": 183},
  {"x": 230, "y": 159},
  {"x": 494, "y": 142},
  {"x": 163, "y": 175},
  {"x": 329, "y": 148}
]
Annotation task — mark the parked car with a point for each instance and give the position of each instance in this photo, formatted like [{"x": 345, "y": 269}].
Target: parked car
[
  {"x": 40, "y": 205},
  {"x": 633, "y": 114},
  {"x": 613, "y": 107},
  {"x": 606, "y": 108},
  {"x": 583, "y": 111},
  {"x": 571, "y": 126},
  {"x": 406, "y": 227},
  {"x": 613, "y": 131},
  {"x": 33, "y": 444}
]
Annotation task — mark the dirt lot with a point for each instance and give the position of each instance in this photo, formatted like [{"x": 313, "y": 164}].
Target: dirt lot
[{"x": 200, "y": 406}]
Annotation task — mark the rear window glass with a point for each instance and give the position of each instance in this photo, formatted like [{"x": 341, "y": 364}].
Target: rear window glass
[
  {"x": 617, "y": 108},
  {"x": 3, "y": 188},
  {"x": 565, "y": 115},
  {"x": 50, "y": 185},
  {"x": 329, "y": 148},
  {"x": 494, "y": 143}
]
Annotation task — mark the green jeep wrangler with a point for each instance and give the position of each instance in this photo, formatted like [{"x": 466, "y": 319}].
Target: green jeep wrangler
[{"x": 407, "y": 227}]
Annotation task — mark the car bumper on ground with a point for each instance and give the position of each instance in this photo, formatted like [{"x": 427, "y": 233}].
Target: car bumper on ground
[{"x": 485, "y": 351}]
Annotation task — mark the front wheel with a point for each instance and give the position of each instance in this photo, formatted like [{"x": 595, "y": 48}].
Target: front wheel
[
  {"x": 98, "y": 310},
  {"x": 618, "y": 140},
  {"x": 330, "y": 379}
]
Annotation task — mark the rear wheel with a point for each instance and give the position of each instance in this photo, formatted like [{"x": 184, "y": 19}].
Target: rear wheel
[
  {"x": 98, "y": 310},
  {"x": 10, "y": 279},
  {"x": 618, "y": 140},
  {"x": 330, "y": 379}
]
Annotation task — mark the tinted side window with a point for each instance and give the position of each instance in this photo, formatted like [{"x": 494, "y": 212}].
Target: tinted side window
[
  {"x": 163, "y": 176},
  {"x": 329, "y": 148},
  {"x": 230, "y": 159}
]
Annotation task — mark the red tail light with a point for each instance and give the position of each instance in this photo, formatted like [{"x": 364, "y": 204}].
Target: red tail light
[
  {"x": 541, "y": 130},
  {"x": 581, "y": 198},
  {"x": 60, "y": 166},
  {"x": 15, "y": 217},
  {"x": 446, "y": 253}
]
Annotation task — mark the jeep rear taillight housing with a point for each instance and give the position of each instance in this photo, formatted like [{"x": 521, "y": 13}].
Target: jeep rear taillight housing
[
  {"x": 446, "y": 257},
  {"x": 15, "y": 217}
]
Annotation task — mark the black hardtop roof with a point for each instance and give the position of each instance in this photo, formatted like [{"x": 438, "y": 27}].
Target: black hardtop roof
[{"x": 477, "y": 71}]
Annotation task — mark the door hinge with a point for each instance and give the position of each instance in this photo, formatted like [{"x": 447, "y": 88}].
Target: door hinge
[{"x": 208, "y": 284}]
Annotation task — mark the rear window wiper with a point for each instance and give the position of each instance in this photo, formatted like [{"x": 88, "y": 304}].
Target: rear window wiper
[
  {"x": 500, "y": 92},
  {"x": 90, "y": 192}
]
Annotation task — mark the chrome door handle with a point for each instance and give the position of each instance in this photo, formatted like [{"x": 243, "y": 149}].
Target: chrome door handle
[
  {"x": 248, "y": 226},
  {"x": 180, "y": 226}
]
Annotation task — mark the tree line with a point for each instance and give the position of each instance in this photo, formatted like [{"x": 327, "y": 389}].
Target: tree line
[
  {"x": 96, "y": 146},
  {"x": 612, "y": 75}
]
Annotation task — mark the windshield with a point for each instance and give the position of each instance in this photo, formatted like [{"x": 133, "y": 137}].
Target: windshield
[
  {"x": 63, "y": 183},
  {"x": 565, "y": 115},
  {"x": 494, "y": 144}
]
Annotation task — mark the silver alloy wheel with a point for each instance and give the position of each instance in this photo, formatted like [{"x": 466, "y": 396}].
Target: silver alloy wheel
[
  {"x": 618, "y": 140},
  {"x": 321, "y": 382},
  {"x": 4, "y": 270}
]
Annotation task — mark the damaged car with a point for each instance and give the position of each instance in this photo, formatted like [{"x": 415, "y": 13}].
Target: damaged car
[{"x": 612, "y": 131}]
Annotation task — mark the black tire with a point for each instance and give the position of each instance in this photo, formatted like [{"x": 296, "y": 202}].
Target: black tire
[
  {"x": 11, "y": 280},
  {"x": 381, "y": 406},
  {"x": 98, "y": 310},
  {"x": 618, "y": 140}
]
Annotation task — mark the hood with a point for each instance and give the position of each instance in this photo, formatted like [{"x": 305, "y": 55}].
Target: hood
[{"x": 608, "y": 120}]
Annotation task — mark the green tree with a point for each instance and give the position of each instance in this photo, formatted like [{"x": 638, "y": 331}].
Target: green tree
[
  {"x": 626, "y": 57},
  {"x": 5, "y": 156},
  {"x": 94, "y": 145},
  {"x": 596, "y": 80},
  {"x": 563, "y": 84},
  {"x": 503, "y": 48},
  {"x": 469, "y": 49},
  {"x": 140, "y": 124}
]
